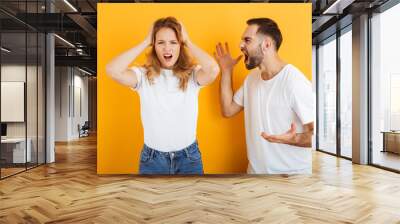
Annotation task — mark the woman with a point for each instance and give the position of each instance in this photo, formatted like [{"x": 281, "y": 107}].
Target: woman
[{"x": 168, "y": 86}]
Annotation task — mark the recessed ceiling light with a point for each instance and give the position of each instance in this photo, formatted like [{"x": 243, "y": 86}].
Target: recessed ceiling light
[
  {"x": 337, "y": 7},
  {"x": 71, "y": 6},
  {"x": 84, "y": 71},
  {"x": 64, "y": 40},
  {"x": 5, "y": 50}
]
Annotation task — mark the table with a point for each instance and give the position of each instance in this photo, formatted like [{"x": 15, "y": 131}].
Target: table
[
  {"x": 16, "y": 147},
  {"x": 391, "y": 141}
]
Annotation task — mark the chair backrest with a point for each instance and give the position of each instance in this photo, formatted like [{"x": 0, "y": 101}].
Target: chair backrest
[{"x": 86, "y": 124}]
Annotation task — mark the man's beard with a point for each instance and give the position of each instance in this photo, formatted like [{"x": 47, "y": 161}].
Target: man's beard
[{"x": 255, "y": 59}]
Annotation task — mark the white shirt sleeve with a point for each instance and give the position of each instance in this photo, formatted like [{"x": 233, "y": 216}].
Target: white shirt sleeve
[
  {"x": 195, "y": 70},
  {"x": 302, "y": 98},
  {"x": 238, "y": 98},
  {"x": 139, "y": 76}
]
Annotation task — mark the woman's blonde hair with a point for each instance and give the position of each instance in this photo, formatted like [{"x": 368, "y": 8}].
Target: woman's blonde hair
[{"x": 185, "y": 63}]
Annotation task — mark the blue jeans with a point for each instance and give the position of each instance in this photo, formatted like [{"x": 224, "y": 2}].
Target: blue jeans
[{"x": 185, "y": 161}]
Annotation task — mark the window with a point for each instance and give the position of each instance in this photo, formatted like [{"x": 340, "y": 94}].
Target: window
[
  {"x": 346, "y": 75},
  {"x": 385, "y": 89},
  {"x": 327, "y": 96}
]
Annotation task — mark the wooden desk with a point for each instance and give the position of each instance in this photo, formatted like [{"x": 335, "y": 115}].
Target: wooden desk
[
  {"x": 16, "y": 147},
  {"x": 391, "y": 141}
]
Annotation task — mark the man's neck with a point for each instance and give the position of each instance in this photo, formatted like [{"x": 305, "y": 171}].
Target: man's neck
[{"x": 271, "y": 67}]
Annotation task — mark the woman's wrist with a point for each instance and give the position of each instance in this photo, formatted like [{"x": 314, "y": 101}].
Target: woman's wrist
[
  {"x": 188, "y": 43},
  {"x": 146, "y": 43}
]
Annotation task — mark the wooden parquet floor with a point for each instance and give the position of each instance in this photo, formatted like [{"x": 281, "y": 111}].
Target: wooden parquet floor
[{"x": 70, "y": 191}]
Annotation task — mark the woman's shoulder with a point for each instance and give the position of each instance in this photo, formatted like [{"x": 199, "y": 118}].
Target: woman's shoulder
[
  {"x": 139, "y": 68},
  {"x": 195, "y": 68}
]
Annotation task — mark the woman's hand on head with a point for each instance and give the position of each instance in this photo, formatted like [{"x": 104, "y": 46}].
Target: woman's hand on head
[
  {"x": 185, "y": 35},
  {"x": 149, "y": 38}
]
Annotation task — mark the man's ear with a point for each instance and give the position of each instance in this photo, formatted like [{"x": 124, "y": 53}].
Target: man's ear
[
  {"x": 269, "y": 42},
  {"x": 263, "y": 46},
  {"x": 266, "y": 44}
]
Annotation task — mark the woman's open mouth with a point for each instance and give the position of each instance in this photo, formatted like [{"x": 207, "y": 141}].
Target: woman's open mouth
[{"x": 167, "y": 57}]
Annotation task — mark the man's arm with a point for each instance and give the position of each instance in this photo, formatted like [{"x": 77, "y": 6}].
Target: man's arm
[
  {"x": 292, "y": 138},
  {"x": 228, "y": 106}
]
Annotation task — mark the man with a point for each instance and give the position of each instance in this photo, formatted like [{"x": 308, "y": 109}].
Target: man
[{"x": 277, "y": 99}]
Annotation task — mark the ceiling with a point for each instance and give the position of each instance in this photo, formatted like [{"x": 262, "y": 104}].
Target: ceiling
[{"x": 76, "y": 22}]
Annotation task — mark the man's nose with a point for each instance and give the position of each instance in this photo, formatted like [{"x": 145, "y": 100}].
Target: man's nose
[{"x": 241, "y": 45}]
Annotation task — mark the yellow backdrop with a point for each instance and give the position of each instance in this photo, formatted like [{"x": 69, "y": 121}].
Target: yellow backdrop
[{"x": 221, "y": 140}]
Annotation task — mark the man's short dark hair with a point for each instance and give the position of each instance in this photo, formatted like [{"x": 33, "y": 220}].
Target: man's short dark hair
[{"x": 268, "y": 27}]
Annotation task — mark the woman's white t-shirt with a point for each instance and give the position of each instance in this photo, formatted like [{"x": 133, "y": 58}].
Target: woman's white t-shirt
[{"x": 169, "y": 114}]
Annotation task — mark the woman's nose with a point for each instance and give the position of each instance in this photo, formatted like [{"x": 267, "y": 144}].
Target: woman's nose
[{"x": 167, "y": 48}]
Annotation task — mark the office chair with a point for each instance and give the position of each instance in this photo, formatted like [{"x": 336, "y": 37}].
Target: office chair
[{"x": 84, "y": 130}]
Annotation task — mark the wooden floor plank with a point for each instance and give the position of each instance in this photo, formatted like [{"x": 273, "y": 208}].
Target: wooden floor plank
[{"x": 70, "y": 191}]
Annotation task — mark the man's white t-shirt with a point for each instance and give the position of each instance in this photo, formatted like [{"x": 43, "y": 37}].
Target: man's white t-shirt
[
  {"x": 271, "y": 106},
  {"x": 169, "y": 115}
]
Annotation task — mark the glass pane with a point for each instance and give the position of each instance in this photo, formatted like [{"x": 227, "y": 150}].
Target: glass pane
[
  {"x": 41, "y": 98},
  {"x": 32, "y": 84},
  {"x": 346, "y": 93},
  {"x": 23, "y": 88},
  {"x": 32, "y": 95},
  {"x": 386, "y": 89},
  {"x": 327, "y": 96},
  {"x": 13, "y": 89}
]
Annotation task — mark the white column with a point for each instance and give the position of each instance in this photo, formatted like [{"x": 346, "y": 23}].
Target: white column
[{"x": 360, "y": 90}]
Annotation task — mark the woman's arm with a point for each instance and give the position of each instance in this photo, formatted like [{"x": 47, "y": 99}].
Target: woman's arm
[
  {"x": 118, "y": 69},
  {"x": 209, "y": 68}
]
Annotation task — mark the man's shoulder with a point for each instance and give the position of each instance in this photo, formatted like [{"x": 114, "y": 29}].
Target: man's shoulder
[
  {"x": 252, "y": 75},
  {"x": 295, "y": 75},
  {"x": 291, "y": 69}
]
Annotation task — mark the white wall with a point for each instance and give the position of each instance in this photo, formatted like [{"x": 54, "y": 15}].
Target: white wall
[
  {"x": 62, "y": 78},
  {"x": 33, "y": 127},
  {"x": 71, "y": 93},
  {"x": 81, "y": 84},
  {"x": 13, "y": 73}
]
